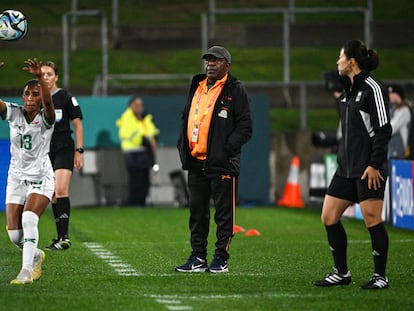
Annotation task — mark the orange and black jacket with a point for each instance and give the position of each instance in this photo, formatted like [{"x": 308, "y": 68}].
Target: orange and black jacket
[{"x": 228, "y": 131}]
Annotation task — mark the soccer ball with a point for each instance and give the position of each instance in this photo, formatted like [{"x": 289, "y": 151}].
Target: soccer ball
[{"x": 13, "y": 25}]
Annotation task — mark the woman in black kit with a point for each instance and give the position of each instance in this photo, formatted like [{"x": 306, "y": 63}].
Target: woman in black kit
[
  {"x": 64, "y": 153},
  {"x": 362, "y": 164}
]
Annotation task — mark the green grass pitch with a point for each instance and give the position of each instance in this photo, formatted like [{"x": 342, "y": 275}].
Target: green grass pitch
[{"x": 124, "y": 258}]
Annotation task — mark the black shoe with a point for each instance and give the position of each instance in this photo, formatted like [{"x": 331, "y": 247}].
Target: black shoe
[
  {"x": 59, "y": 244},
  {"x": 193, "y": 264},
  {"x": 218, "y": 265},
  {"x": 334, "y": 278},
  {"x": 376, "y": 282}
]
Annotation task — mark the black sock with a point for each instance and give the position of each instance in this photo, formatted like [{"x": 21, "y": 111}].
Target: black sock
[
  {"x": 379, "y": 241},
  {"x": 56, "y": 216},
  {"x": 63, "y": 213},
  {"x": 338, "y": 243}
]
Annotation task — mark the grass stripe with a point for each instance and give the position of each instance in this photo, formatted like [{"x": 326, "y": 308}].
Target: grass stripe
[{"x": 273, "y": 271}]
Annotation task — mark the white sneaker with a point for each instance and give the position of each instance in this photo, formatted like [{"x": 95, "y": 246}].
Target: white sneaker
[
  {"x": 37, "y": 265},
  {"x": 24, "y": 277}
]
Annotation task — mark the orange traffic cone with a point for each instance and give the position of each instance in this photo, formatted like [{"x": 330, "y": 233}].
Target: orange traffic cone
[
  {"x": 252, "y": 232},
  {"x": 238, "y": 229},
  {"x": 291, "y": 193}
]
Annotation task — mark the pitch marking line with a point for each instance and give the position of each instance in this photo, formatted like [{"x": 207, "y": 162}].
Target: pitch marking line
[
  {"x": 120, "y": 267},
  {"x": 173, "y": 302},
  {"x": 179, "y": 308},
  {"x": 228, "y": 297}
]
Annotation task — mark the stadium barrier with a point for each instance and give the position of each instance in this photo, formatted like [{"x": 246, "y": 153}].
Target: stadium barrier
[
  {"x": 4, "y": 167},
  {"x": 402, "y": 193},
  {"x": 101, "y": 136}
]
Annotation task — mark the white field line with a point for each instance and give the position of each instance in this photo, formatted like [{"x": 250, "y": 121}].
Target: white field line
[
  {"x": 169, "y": 301},
  {"x": 121, "y": 267},
  {"x": 230, "y": 274},
  {"x": 160, "y": 298},
  {"x": 178, "y": 308},
  {"x": 174, "y": 302}
]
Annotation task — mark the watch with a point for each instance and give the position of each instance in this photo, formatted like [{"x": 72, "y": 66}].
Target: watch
[{"x": 80, "y": 150}]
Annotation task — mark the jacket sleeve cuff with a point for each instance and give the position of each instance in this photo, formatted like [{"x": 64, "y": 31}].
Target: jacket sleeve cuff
[{"x": 375, "y": 165}]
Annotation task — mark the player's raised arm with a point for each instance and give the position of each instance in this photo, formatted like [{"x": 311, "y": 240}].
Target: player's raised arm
[{"x": 34, "y": 67}]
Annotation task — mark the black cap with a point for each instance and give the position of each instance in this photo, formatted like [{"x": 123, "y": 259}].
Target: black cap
[
  {"x": 219, "y": 52},
  {"x": 396, "y": 88}
]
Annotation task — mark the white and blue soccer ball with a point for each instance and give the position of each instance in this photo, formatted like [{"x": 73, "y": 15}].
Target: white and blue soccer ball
[{"x": 13, "y": 25}]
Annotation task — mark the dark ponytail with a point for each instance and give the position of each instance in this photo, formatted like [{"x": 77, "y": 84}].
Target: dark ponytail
[{"x": 367, "y": 59}]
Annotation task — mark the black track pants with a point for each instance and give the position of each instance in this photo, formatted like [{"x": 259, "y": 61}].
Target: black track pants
[{"x": 222, "y": 189}]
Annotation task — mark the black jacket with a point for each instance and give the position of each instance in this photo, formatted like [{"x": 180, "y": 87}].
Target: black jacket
[
  {"x": 230, "y": 128},
  {"x": 366, "y": 128}
]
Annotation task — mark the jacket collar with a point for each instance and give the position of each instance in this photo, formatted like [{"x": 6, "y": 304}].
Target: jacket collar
[
  {"x": 200, "y": 77},
  {"x": 358, "y": 81}
]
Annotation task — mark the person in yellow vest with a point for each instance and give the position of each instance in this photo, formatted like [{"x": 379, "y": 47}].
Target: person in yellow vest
[{"x": 138, "y": 136}]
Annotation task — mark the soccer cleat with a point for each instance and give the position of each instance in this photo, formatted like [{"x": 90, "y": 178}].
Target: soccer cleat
[
  {"x": 37, "y": 265},
  {"x": 65, "y": 243},
  {"x": 24, "y": 277},
  {"x": 59, "y": 244},
  {"x": 376, "y": 282},
  {"x": 334, "y": 278},
  {"x": 218, "y": 265},
  {"x": 193, "y": 264}
]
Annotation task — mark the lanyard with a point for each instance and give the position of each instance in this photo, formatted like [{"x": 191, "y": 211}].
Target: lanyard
[
  {"x": 196, "y": 126},
  {"x": 210, "y": 104}
]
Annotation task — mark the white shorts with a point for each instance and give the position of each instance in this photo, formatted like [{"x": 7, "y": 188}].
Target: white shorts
[{"x": 18, "y": 190}]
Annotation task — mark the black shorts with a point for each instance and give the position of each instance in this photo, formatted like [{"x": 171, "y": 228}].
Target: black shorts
[
  {"x": 354, "y": 189},
  {"x": 63, "y": 158}
]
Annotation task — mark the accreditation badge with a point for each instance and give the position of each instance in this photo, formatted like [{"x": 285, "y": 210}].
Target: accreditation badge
[
  {"x": 194, "y": 135},
  {"x": 58, "y": 114}
]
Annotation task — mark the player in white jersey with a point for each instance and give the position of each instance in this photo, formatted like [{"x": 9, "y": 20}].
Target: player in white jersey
[{"x": 30, "y": 182}]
